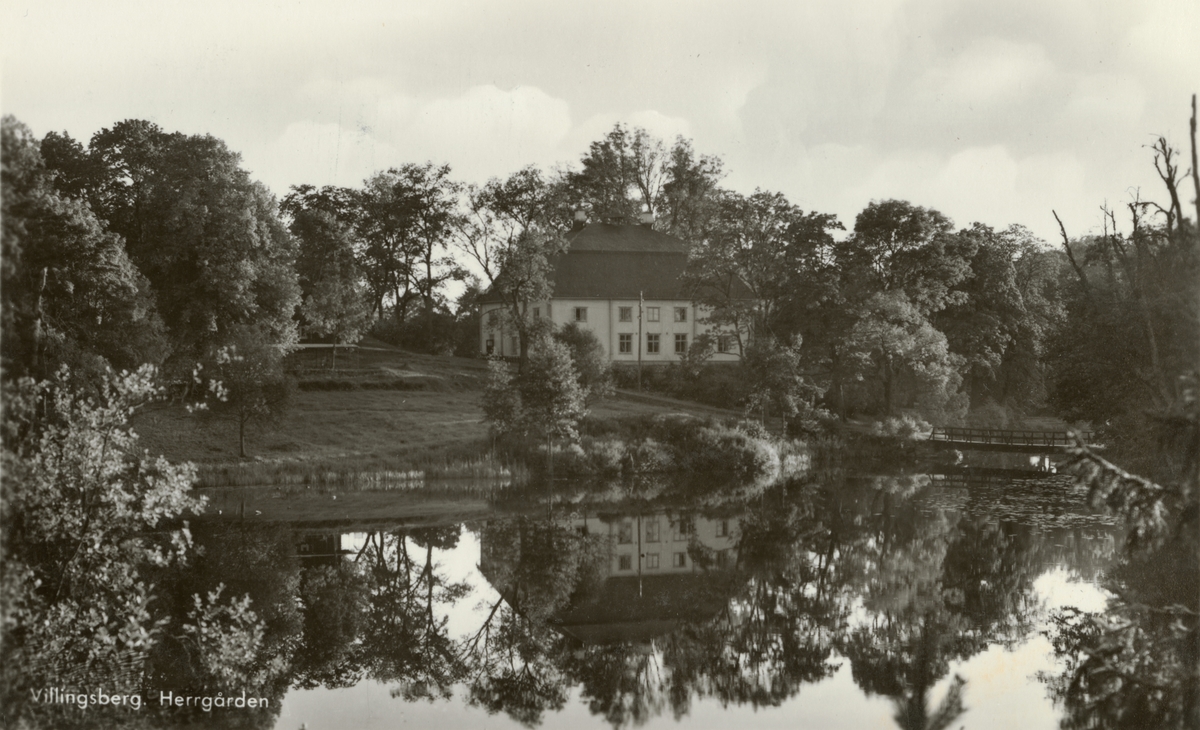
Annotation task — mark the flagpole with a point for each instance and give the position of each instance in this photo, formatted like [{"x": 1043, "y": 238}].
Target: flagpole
[{"x": 641, "y": 301}]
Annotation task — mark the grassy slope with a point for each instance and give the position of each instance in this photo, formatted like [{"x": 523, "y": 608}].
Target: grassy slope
[{"x": 433, "y": 421}]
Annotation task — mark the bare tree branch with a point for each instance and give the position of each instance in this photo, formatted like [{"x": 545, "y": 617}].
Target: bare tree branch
[
  {"x": 1071, "y": 257},
  {"x": 1195, "y": 164}
]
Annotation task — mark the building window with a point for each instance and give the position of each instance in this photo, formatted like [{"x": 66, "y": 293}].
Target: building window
[
  {"x": 537, "y": 312},
  {"x": 722, "y": 343},
  {"x": 580, "y": 314},
  {"x": 652, "y": 344},
  {"x": 722, "y": 558},
  {"x": 722, "y": 528},
  {"x": 683, "y": 528},
  {"x": 652, "y": 560},
  {"x": 625, "y": 533},
  {"x": 625, "y": 562},
  {"x": 652, "y": 531},
  {"x": 680, "y": 560},
  {"x": 625, "y": 314},
  {"x": 625, "y": 344},
  {"x": 491, "y": 346},
  {"x": 516, "y": 346},
  {"x": 680, "y": 344},
  {"x": 651, "y": 314},
  {"x": 680, "y": 314}
]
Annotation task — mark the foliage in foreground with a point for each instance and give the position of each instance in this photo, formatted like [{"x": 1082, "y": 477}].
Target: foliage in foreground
[{"x": 88, "y": 524}]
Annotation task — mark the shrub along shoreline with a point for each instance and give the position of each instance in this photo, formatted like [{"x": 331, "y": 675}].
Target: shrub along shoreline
[{"x": 606, "y": 447}]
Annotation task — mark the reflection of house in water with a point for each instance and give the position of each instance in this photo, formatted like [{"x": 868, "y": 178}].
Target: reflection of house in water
[
  {"x": 664, "y": 543},
  {"x": 661, "y": 569},
  {"x": 320, "y": 548}
]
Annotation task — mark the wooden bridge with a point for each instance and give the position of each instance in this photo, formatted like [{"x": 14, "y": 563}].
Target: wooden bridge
[{"x": 998, "y": 439}]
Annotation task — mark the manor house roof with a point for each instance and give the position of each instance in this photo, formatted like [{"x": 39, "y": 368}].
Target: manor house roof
[{"x": 611, "y": 261}]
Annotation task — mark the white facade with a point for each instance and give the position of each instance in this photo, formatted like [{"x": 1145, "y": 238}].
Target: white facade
[
  {"x": 666, "y": 544},
  {"x": 668, "y": 328}
]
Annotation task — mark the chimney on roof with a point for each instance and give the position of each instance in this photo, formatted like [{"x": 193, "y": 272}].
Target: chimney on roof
[
  {"x": 646, "y": 219},
  {"x": 580, "y": 221}
]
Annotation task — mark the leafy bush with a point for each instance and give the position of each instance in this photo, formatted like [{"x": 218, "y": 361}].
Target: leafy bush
[
  {"x": 605, "y": 457},
  {"x": 723, "y": 448},
  {"x": 649, "y": 456},
  {"x": 587, "y": 354},
  {"x": 989, "y": 415},
  {"x": 86, "y": 518},
  {"x": 906, "y": 427},
  {"x": 419, "y": 334}
]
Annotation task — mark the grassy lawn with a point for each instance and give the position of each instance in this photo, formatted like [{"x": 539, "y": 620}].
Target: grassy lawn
[
  {"x": 323, "y": 426},
  {"x": 398, "y": 411}
]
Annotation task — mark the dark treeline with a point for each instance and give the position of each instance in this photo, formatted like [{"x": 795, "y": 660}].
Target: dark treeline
[{"x": 150, "y": 246}]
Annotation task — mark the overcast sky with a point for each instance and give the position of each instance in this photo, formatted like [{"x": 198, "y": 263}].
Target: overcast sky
[{"x": 985, "y": 110}]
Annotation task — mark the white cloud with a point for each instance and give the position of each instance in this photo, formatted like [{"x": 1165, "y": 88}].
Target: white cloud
[
  {"x": 988, "y": 72},
  {"x": 365, "y": 126},
  {"x": 319, "y": 154},
  {"x": 488, "y": 131}
]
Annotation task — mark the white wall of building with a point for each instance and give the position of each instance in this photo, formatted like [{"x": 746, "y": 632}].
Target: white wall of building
[
  {"x": 663, "y": 546},
  {"x": 603, "y": 319}
]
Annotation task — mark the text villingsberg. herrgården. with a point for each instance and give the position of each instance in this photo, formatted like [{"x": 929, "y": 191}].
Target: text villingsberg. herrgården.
[{"x": 100, "y": 698}]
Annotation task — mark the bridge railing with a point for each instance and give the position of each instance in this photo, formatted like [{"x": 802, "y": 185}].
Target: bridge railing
[{"x": 1006, "y": 436}]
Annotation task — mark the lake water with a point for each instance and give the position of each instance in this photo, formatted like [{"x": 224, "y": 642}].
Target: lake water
[{"x": 839, "y": 600}]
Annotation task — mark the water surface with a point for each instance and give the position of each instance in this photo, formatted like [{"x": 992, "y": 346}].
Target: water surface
[{"x": 840, "y": 600}]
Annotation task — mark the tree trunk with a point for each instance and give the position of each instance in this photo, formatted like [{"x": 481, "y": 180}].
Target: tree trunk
[
  {"x": 429, "y": 301},
  {"x": 523, "y": 347},
  {"x": 38, "y": 326},
  {"x": 242, "y": 438},
  {"x": 887, "y": 386}
]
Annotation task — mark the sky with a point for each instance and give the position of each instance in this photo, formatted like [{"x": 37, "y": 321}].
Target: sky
[{"x": 997, "y": 112}]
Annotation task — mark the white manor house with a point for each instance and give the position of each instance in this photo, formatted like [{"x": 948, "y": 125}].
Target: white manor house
[{"x": 607, "y": 275}]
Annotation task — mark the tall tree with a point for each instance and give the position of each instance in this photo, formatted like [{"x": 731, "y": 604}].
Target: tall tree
[
  {"x": 524, "y": 280},
  {"x": 205, "y": 235},
  {"x": 743, "y": 270},
  {"x": 898, "y": 246},
  {"x": 70, "y": 292},
  {"x": 691, "y": 193},
  {"x": 899, "y": 348},
  {"x": 500, "y": 212},
  {"x": 408, "y": 215},
  {"x": 1002, "y": 323},
  {"x": 334, "y": 301},
  {"x": 630, "y": 171},
  {"x": 622, "y": 175}
]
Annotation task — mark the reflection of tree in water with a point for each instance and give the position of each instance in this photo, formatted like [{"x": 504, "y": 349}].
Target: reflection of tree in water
[
  {"x": 938, "y": 587},
  {"x": 244, "y": 562},
  {"x": 778, "y": 628},
  {"x": 1137, "y": 665},
  {"x": 403, "y": 640},
  {"x": 512, "y": 659}
]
